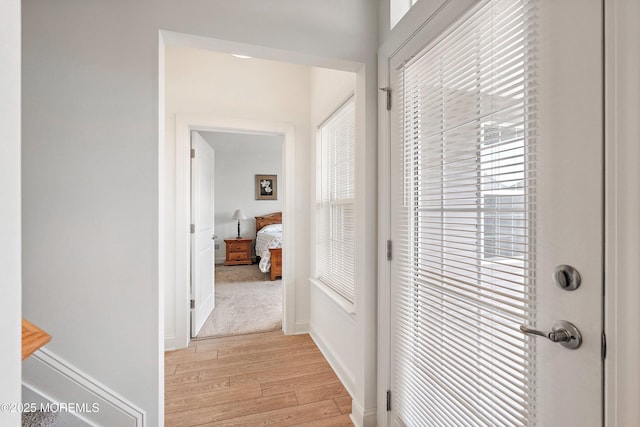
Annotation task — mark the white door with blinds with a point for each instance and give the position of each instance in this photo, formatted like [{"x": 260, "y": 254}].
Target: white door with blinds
[{"x": 496, "y": 208}]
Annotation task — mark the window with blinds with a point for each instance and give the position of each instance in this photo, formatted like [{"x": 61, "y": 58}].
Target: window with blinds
[
  {"x": 335, "y": 201},
  {"x": 399, "y": 8},
  {"x": 464, "y": 275}
]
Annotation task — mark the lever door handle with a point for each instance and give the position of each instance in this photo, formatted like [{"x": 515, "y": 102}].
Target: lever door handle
[{"x": 563, "y": 332}]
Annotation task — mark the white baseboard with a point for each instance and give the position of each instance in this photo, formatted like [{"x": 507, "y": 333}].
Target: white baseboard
[
  {"x": 339, "y": 368},
  {"x": 301, "y": 328},
  {"x": 58, "y": 381},
  {"x": 361, "y": 418},
  {"x": 170, "y": 343}
]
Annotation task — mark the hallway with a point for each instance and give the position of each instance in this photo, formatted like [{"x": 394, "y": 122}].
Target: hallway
[{"x": 259, "y": 379}]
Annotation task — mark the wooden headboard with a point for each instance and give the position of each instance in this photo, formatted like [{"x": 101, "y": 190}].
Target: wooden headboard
[{"x": 273, "y": 218}]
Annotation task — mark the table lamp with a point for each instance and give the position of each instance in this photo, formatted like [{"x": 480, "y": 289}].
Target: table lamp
[{"x": 238, "y": 215}]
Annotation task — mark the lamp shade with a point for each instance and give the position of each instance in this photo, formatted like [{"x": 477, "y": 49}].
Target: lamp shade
[{"x": 238, "y": 214}]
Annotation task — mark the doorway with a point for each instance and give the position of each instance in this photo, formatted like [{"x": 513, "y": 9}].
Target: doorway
[
  {"x": 250, "y": 96},
  {"x": 186, "y": 124},
  {"x": 209, "y": 90},
  {"x": 247, "y": 300}
]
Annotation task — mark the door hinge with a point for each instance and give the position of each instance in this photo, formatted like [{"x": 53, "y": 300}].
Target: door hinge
[
  {"x": 193, "y": 153},
  {"x": 389, "y": 250},
  {"x": 388, "y": 400},
  {"x": 387, "y": 91},
  {"x": 193, "y": 228},
  {"x": 193, "y": 304},
  {"x": 603, "y": 346}
]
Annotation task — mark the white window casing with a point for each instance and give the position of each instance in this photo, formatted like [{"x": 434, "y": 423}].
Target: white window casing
[{"x": 335, "y": 201}]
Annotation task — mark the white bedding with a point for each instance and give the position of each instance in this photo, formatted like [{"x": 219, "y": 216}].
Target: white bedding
[{"x": 268, "y": 237}]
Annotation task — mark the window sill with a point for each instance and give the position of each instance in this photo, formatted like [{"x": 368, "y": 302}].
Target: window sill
[{"x": 341, "y": 301}]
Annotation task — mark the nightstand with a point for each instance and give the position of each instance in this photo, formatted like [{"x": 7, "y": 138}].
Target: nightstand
[{"x": 238, "y": 251}]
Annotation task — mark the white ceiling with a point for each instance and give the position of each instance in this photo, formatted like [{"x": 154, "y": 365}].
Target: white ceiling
[{"x": 243, "y": 142}]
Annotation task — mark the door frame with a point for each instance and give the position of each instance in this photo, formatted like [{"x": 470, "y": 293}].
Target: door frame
[
  {"x": 213, "y": 123},
  {"x": 622, "y": 199},
  {"x": 621, "y": 244}
]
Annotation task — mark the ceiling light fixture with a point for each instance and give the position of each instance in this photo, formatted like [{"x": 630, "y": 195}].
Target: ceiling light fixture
[{"x": 241, "y": 56}]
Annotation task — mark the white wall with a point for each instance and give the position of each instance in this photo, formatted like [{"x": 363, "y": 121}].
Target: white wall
[
  {"x": 384, "y": 19},
  {"x": 203, "y": 82},
  {"x": 91, "y": 161},
  {"x": 331, "y": 326},
  {"x": 10, "y": 259},
  {"x": 239, "y": 157}
]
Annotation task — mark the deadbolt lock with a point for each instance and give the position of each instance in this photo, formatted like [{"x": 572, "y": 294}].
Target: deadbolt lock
[{"x": 566, "y": 277}]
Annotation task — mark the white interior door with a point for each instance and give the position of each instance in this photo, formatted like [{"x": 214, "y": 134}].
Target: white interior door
[
  {"x": 496, "y": 163},
  {"x": 202, "y": 238}
]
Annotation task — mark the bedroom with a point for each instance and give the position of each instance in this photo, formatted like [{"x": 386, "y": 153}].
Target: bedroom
[{"x": 248, "y": 300}]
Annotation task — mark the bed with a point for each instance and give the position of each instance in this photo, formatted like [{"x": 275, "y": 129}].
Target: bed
[{"x": 269, "y": 243}]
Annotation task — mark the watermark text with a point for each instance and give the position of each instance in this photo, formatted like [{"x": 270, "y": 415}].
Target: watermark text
[{"x": 72, "y": 407}]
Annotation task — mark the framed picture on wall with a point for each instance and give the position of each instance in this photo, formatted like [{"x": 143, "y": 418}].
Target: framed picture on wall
[{"x": 266, "y": 187}]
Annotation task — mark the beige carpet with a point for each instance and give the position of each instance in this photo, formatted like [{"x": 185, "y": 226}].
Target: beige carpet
[
  {"x": 239, "y": 273},
  {"x": 246, "y": 303}
]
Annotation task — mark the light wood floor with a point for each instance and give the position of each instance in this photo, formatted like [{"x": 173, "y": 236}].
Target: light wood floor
[{"x": 250, "y": 380}]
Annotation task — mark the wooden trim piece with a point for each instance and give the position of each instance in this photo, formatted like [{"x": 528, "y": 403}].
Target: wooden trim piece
[{"x": 32, "y": 338}]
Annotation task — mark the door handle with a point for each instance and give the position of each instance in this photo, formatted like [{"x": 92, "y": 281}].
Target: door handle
[
  {"x": 564, "y": 333},
  {"x": 214, "y": 237}
]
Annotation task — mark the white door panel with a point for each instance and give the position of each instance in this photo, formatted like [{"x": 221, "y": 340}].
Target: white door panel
[
  {"x": 570, "y": 206},
  {"x": 202, "y": 242},
  {"x": 560, "y": 191}
]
